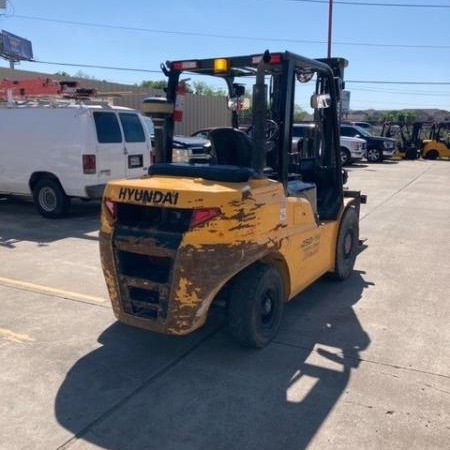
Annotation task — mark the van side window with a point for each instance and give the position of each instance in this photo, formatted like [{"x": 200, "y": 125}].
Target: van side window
[
  {"x": 132, "y": 127},
  {"x": 107, "y": 126}
]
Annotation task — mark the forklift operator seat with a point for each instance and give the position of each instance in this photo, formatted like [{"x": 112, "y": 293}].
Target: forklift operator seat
[{"x": 231, "y": 147}]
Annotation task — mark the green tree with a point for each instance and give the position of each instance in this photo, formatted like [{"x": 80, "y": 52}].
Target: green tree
[
  {"x": 81, "y": 74},
  {"x": 161, "y": 84},
  {"x": 201, "y": 88},
  {"x": 299, "y": 114}
]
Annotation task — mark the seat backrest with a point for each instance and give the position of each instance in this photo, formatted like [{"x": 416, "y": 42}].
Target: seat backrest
[{"x": 232, "y": 147}]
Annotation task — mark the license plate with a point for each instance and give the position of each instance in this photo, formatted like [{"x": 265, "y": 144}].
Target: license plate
[{"x": 135, "y": 161}]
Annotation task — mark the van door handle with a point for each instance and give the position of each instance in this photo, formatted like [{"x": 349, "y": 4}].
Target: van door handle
[{"x": 125, "y": 151}]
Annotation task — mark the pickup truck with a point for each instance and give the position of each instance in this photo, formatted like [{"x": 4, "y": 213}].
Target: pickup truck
[
  {"x": 378, "y": 148},
  {"x": 352, "y": 149}
]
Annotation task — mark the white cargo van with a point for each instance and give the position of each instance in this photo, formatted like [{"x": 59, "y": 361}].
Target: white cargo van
[{"x": 54, "y": 153}]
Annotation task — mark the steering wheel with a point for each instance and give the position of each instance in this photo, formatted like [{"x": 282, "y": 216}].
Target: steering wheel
[{"x": 271, "y": 129}]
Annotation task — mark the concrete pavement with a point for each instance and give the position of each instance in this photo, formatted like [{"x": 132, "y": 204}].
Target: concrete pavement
[{"x": 362, "y": 364}]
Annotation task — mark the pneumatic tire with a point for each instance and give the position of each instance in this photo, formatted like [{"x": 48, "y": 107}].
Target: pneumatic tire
[
  {"x": 345, "y": 156},
  {"x": 255, "y": 306},
  {"x": 50, "y": 199},
  {"x": 432, "y": 155},
  {"x": 346, "y": 245},
  {"x": 374, "y": 155}
]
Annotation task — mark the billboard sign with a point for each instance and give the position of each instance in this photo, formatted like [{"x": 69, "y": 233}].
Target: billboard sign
[{"x": 16, "y": 48}]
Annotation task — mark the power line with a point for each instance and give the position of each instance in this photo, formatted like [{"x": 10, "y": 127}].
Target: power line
[
  {"x": 394, "y": 5},
  {"x": 131, "y": 69},
  {"x": 93, "y": 66},
  {"x": 389, "y": 91},
  {"x": 226, "y": 36},
  {"x": 437, "y": 83},
  {"x": 409, "y": 105}
]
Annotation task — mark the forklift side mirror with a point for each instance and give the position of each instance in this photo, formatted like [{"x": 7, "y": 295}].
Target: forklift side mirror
[{"x": 320, "y": 101}]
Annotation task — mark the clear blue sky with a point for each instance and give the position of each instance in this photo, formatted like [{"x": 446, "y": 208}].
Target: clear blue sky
[{"x": 382, "y": 43}]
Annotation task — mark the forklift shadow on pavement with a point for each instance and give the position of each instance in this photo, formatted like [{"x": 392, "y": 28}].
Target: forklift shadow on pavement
[
  {"x": 19, "y": 222},
  {"x": 143, "y": 390}
]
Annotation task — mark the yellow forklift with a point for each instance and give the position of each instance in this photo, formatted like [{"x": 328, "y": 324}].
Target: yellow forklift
[
  {"x": 438, "y": 145},
  {"x": 409, "y": 137},
  {"x": 247, "y": 227}
]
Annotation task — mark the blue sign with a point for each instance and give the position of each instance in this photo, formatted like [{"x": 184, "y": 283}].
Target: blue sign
[{"x": 15, "y": 47}]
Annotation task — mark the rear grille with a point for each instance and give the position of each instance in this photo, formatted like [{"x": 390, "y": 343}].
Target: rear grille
[
  {"x": 144, "y": 303},
  {"x": 165, "y": 219},
  {"x": 146, "y": 240},
  {"x": 145, "y": 267}
]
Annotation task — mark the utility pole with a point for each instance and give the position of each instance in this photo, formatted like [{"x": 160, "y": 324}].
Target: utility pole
[{"x": 330, "y": 26}]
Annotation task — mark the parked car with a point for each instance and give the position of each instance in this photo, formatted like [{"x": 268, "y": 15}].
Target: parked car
[
  {"x": 378, "y": 148},
  {"x": 187, "y": 148},
  {"x": 352, "y": 149},
  {"x": 365, "y": 125},
  {"x": 55, "y": 152}
]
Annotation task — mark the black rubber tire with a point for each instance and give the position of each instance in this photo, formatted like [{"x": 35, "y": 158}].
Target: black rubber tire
[
  {"x": 411, "y": 153},
  {"x": 255, "y": 306},
  {"x": 432, "y": 154},
  {"x": 50, "y": 199},
  {"x": 374, "y": 155},
  {"x": 346, "y": 245},
  {"x": 345, "y": 156}
]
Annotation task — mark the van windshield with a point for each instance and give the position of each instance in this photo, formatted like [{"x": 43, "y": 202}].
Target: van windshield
[{"x": 149, "y": 127}]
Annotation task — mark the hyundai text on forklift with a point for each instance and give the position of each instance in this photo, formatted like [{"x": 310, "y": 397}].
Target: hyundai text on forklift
[{"x": 250, "y": 227}]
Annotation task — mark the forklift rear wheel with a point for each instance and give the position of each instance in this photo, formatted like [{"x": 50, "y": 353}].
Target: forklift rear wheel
[
  {"x": 347, "y": 245},
  {"x": 255, "y": 306}
]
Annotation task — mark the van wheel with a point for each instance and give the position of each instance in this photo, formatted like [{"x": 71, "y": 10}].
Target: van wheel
[
  {"x": 50, "y": 199},
  {"x": 255, "y": 306},
  {"x": 345, "y": 156},
  {"x": 346, "y": 245}
]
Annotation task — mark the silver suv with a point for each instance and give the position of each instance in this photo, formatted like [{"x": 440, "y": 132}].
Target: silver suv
[{"x": 352, "y": 149}]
